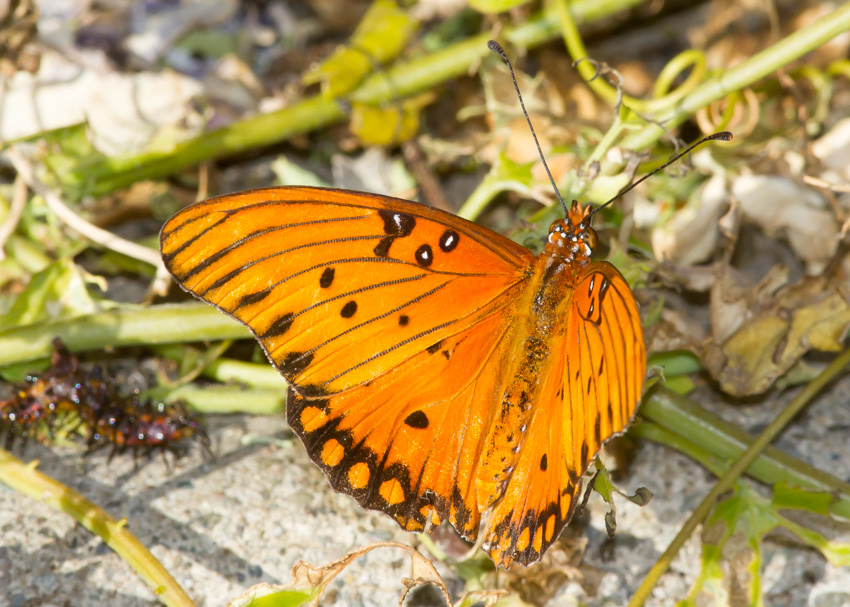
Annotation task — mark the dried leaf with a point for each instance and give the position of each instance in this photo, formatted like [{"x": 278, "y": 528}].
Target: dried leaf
[
  {"x": 157, "y": 30},
  {"x": 309, "y": 581},
  {"x": 760, "y": 333},
  {"x": 124, "y": 111},
  {"x": 833, "y": 150},
  {"x": 783, "y": 208},
  {"x": 691, "y": 234}
]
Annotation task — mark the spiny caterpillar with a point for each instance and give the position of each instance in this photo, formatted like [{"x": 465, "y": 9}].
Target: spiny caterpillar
[{"x": 68, "y": 396}]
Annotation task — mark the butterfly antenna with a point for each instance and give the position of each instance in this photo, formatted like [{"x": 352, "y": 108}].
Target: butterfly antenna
[
  {"x": 722, "y": 136},
  {"x": 497, "y": 48}
]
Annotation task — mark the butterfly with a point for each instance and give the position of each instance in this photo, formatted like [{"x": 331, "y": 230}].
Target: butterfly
[{"x": 437, "y": 370}]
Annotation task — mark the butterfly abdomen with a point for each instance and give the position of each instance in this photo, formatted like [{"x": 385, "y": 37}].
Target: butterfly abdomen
[{"x": 547, "y": 294}]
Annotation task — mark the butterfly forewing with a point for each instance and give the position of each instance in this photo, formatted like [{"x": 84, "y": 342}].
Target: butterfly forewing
[{"x": 340, "y": 287}]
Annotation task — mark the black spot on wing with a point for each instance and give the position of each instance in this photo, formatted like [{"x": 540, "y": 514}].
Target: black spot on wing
[
  {"x": 603, "y": 289},
  {"x": 252, "y": 298},
  {"x": 403, "y": 320},
  {"x": 382, "y": 249},
  {"x": 449, "y": 240},
  {"x": 310, "y": 391},
  {"x": 397, "y": 224},
  {"x": 417, "y": 420},
  {"x": 327, "y": 278},
  {"x": 424, "y": 255},
  {"x": 349, "y": 309},
  {"x": 279, "y": 326},
  {"x": 433, "y": 348},
  {"x": 544, "y": 463},
  {"x": 294, "y": 364}
]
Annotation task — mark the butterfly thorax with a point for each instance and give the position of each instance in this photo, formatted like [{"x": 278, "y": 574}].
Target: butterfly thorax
[{"x": 572, "y": 239}]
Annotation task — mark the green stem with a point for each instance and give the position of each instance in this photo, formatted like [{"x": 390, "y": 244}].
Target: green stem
[
  {"x": 225, "y": 399},
  {"x": 728, "y": 479},
  {"x": 226, "y": 370},
  {"x": 727, "y": 442},
  {"x": 490, "y": 187},
  {"x": 770, "y": 467},
  {"x": 651, "y": 431},
  {"x": 675, "y": 362},
  {"x": 744, "y": 74},
  {"x": 27, "y": 480},
  {"x": 403, "y": 79},
  {"x": 170, "y": 323}
]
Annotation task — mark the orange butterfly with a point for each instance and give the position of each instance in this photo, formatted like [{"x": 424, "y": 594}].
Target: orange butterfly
[{"x": 437, "y": 370}]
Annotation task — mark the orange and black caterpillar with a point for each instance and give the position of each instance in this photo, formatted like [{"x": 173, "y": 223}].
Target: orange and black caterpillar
[{"x": 70, "y": 394}]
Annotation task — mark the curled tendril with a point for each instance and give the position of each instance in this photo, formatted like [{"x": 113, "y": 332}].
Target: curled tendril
[
  {"x": 662, "y": 100},
  {"x": 692, "y": 58},
  {"x": 739, "y": 111}
]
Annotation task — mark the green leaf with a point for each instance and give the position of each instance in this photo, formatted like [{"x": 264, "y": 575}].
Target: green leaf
[
  {"x": 381, "y": 35},
  {"x": 390, "y": 125},
  {"x": 58, "y": 292},
  {"x": 70, "y": 151},
  {"x": 837, "y": 553},
  {"x": 274, "y": 598},
  {"x": 793, "y": 498},
  {"x": 289, "y": 173}
]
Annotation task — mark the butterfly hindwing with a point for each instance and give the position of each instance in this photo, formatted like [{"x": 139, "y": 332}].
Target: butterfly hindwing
[
  {"x": 590, "y": 393},
  {"x": 340, "y": 287},
  {"x": 409, "y": 443}
]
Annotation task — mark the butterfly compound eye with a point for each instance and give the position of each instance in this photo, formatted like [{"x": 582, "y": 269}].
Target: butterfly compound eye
[{"x": 590, "y": 238}]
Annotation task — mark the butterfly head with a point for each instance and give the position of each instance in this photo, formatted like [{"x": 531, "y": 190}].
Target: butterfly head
[{"x": 572, "y": 238}]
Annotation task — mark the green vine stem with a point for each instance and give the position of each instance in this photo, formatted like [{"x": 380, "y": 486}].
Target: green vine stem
[
  {"x": 489, "y": 187},
  {"x": 745, "y": 74},
  {"x": 734, "y": 472},
  {"x": 224, "y": 400},
  {"x": 403, "y": 78},
  {"x": 226, "y": 370},
  {"x": 663, "y": 99},
  {"x": 25, "y": 479},
  {"x": 681, "y": 103},
  {"x": 726, "y": 442},
  {"x": 168, "y": 323}
]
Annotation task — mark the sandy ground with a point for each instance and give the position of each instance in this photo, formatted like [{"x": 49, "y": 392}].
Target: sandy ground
[{"x": 249, "y": 514}]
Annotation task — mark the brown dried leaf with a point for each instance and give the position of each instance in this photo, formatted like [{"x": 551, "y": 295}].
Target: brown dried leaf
[
  {"x": 313, "y": 580},
  {"x": 691, "y": 235},
  {"x": 760, "y": 333}
]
